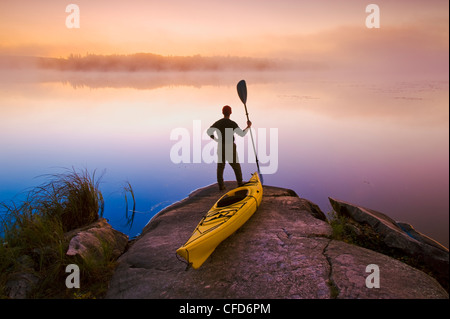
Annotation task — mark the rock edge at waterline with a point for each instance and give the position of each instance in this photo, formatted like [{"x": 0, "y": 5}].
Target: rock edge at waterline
[{"x": 285, "y": 250}]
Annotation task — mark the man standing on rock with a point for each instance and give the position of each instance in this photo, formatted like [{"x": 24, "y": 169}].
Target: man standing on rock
[{"x": 226, "y": 150}]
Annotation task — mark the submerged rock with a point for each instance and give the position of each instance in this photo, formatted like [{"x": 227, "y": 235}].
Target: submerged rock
[{"x": 285, "y": 250}]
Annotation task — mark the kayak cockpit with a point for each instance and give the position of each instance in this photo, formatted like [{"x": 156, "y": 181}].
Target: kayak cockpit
[{"x": 232, "y": 198}]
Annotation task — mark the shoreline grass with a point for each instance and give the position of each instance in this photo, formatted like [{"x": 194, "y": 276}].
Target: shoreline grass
[{"x": 32, "y": 240}]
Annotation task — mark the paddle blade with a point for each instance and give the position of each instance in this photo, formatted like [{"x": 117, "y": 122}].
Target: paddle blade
[{"x": 242, "y": 91}]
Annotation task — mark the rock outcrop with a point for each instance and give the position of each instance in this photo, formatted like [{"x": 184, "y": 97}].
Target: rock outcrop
[
  {"x": 98, "y": 241},
  {"x": 285, "y": 250},
  {"x": 401, "y": 239}
]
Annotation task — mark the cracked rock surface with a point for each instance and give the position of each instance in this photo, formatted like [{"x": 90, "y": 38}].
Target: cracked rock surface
[{"x": 285, "y": 250}]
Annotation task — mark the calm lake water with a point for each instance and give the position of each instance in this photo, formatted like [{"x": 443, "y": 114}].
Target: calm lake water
[{"x": 379, "y": 142}]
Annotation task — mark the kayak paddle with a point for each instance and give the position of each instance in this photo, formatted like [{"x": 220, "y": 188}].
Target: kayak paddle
[{"x": 242, "y": 92}]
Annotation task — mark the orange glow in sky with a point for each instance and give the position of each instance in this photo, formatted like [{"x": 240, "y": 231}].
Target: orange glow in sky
[{"x": 328, "y": 31}]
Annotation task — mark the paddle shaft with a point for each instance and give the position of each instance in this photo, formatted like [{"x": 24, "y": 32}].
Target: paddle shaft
[
  {"x": 253, "y": 143},
  {"x": 242, "y": 92}
]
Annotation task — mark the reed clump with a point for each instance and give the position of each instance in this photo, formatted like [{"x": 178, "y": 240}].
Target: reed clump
[{"x": 34, "y": 229}]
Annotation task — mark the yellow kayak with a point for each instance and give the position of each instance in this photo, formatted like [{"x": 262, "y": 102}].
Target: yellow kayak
[{"x": 229, "y": 213}]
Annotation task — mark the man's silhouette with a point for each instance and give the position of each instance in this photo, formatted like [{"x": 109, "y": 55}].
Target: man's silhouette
[{"x": 226, "y": 150}]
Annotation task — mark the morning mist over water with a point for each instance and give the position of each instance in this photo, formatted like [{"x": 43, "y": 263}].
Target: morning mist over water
[{"x": 374, "y": 142}]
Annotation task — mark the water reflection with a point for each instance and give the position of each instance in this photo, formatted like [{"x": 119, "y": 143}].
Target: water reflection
[{"x": 375, "y": 142}]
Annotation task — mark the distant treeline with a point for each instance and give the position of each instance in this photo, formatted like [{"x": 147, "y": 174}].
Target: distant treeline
[{"x": 153, "y": 62}]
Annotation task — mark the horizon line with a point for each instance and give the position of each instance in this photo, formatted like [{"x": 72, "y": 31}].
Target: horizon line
[{"x": 147, "y": 61}]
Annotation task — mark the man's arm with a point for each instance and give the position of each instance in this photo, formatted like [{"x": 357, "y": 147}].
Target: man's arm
[
  {"x": 242, "y": 133},
  {"x": 211, "y": 132}
]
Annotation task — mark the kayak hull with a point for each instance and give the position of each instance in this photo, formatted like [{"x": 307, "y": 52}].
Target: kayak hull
[{"x": 227, "y": 215}]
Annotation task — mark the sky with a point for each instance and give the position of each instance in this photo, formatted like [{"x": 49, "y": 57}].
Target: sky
[{"x": 324, "y": 30}]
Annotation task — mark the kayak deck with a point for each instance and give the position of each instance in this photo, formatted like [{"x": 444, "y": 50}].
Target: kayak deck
[{"x": 227, "y": 215}]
